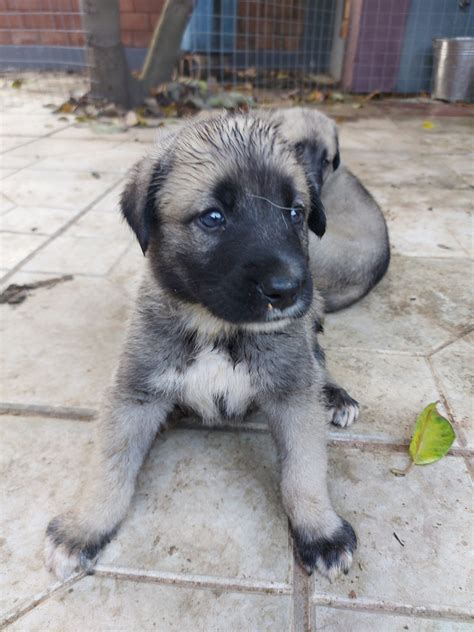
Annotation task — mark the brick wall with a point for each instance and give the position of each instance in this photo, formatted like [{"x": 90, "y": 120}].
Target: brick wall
[
  {"x": 138, "y": 19},
  {"x": 41, "y": 22},
  {"x": 261, "y": 24},
  {"x": 59, "y": 23}
]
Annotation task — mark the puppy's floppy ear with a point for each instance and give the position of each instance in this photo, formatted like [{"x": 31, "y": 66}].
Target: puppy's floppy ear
[
  {"x": 317, "y": 215},
  {"x": 138, "y": 201},
  {"x": 336, "y": 161}
]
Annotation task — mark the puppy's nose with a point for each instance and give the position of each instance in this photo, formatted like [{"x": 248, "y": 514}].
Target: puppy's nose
[{"x": 280, "y": 291}]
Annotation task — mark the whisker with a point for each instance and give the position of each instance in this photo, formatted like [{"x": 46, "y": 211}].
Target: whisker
[{"x": 260, "y": 197}]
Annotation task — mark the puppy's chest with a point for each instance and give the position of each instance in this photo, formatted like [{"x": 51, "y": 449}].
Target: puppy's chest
[{"x": 213, "y": 384}]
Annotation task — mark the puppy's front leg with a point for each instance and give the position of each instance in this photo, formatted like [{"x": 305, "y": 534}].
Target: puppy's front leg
[
  {"x": 323, "y": 539},
  {"x": 124, "y": 435}
]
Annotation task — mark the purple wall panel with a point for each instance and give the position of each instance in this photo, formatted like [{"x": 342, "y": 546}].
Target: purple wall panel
[{"x": 381, "y": 33}]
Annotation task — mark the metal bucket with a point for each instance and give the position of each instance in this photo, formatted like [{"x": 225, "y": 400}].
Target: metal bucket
[{"x": 453, "y": 71}]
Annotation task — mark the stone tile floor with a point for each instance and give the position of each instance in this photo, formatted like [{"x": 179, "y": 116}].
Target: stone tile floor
[{"x": 206, "y": 545}]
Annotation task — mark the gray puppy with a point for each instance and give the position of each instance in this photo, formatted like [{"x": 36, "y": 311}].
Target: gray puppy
[
  {"x": 355, "y": 252},
  {"x": 225, "y": 322}
]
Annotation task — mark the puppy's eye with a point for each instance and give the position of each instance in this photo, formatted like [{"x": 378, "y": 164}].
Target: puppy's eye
[
  {"x": 297, "y": 215},
  {"x": 299, "y": 148},
  {"x": 212, "y": 218},
  {"x": 326, "y": 162}
]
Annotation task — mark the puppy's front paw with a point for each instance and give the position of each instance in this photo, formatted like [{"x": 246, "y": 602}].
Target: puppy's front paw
[
  {"x": 66, "y": 550},
  {"x": 330, "y": 555},
  {"x": 343, "y": 409}
]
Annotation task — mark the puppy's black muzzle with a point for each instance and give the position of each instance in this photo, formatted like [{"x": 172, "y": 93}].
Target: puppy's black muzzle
[{"x": 280, "y": 291}]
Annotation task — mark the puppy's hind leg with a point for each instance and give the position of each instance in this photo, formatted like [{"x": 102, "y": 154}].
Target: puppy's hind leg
[
  {"x": 323, "y": 539},
  {"x": 124, "y": 435},
  {"x": 343, "y": 409}
]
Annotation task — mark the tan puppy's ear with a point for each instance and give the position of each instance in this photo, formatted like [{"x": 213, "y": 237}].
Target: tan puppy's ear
[
  {"x": 317, "y": 215},
  {"x": 138, "y": 200}
]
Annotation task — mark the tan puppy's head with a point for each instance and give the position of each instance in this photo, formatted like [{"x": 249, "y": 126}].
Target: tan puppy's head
[
  {"x": 222, "y": 210},
  {"x": 314, "y": 137}
]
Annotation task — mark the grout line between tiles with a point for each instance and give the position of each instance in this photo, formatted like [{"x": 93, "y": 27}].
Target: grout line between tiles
[
  {"x": 335, "y": 438},
  {"x": 439, "y": 385},
  {"x": 36, "y": 138},
  {"x": 132, "y": 244},
  {"x": 59, "y": 232},
  {"x": 390, "y": 607},
  {"x": 391, "y": 352},
  {"x": 185, "y": 580},
  {"x": 41, "y": 410},
  {"x": 16, "y": 613},
  {"x": 301, "y": 595},
  {"x": 462, "y": 334}
]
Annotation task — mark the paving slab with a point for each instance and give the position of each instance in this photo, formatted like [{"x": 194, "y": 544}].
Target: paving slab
[
  {"x": 69, "y": 254},
  {"x": 127, "y": 272},
  {"x": 121, "y": 606},
  {"x": 110, "y": 226},
  {"x": 460, "y": 142},
  {"x": 362, "y": 124},
  {"x": 378, "y": 139},
  {"x": 402, "y": 169},
  {"x": 17, "y": 124},
  {"x": 415, "y": 535},
  {"x": 54, "y": 148},
  {"x": 338, "y": 620},
  {"x": 14, "y": 247},
  {"x": 56, "y": 189},
  {"x": 464, "y": 166},
  {"x": 8, "y": 161},
  {"x": 100, "y": 156},
  {"x": 11, "y": 142},
  {"x": 441, "y": 125},
  {"x": 421, "y": 303},
  {"x": 5, "y": 204},
  {"x": 34, "y": 457},
  {"x": 208, "y": 503},
  {"x": 60, "y": 346},
  {"x": 453, "y": 366},
  {"x": 110, "y": 203},
  {"x": 37, "y": 220},
  {"x": 391, "y": 390},
  {"x": 5, "y": 173},
  {"x": 113, "y": 132},
  {"x": 428, "y": 222}
]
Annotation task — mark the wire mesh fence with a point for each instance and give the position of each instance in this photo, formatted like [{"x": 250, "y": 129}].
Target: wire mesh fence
[{"x": 357, "y": 46}]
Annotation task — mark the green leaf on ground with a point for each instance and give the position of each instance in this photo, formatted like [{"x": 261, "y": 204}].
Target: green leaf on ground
[{"x": 432, "y": 438}]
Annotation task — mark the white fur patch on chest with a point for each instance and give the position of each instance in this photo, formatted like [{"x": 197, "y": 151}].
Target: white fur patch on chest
[{"x": 212, "y": 383}]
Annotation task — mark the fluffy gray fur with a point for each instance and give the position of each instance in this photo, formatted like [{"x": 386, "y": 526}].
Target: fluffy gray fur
[{"x": 178, "y": 353}]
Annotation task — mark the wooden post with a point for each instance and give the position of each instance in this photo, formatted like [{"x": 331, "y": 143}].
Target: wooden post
[{"x": 164, "y": 48}]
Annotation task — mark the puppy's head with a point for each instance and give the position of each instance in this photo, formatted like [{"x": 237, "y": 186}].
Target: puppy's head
[
  {"x": 314, "y": 137},
  {"x": 223, "y": 210}
]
